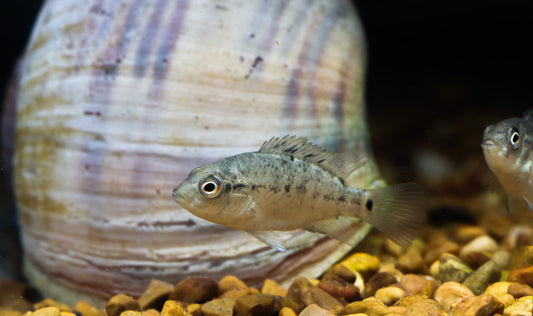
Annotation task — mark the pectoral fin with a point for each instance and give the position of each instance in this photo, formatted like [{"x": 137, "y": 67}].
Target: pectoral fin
[{"x": 270, "y": 238}]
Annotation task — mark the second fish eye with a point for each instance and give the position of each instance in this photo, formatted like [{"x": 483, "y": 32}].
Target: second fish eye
[
  {"x": 515, "y": 137},
  {"x": 211, "y": 186}
]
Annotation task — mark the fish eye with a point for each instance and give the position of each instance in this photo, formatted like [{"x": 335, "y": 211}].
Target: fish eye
[
  {"x": 515, "y": 137},
  {"x": 211, "y": 186}
]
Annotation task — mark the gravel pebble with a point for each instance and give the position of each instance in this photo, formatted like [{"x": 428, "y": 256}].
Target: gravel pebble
[
  {"x": 450, "y": 294},
  {"x": 484, "y": 304},
  {"x": 172, "y": 308},
  {"x": 523, "y": 275},
  {"x": 286, "y": 311},
  {"x": 273, "y": 288},
  {"x": 520, "y": 290},
  {"x": 155, "y": 295},
  {"x": 390, "y": 294},
  {"x": 319, "y": 297},
  {"x": 363, "y": 263},
  {"x": 119, "y": 303},
  {"x": 522, "y": 306},
  {"x": 370, "y": 306},
  {"x": 451, "y": 268},
  {"x": 481, "y": 244},
  {"x": 194, "y": 290},
  {"x": 86, "y": 309},
  {"x": 47, "y": 311},
  {"x": 498, "y": 288},
  {"x": 485, "y": 275},
  {"x": 420, "y": 305},
  {"x": 414, "y": 284},
  {"x": 377, "y": 281},
  {"x": 231, "y": 282},
  {"x": 219, "y": 307},
  {"x": 315, "y": 310}
]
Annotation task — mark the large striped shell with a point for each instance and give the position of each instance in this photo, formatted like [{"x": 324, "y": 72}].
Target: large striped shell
[{"x": 119, "y": 100}]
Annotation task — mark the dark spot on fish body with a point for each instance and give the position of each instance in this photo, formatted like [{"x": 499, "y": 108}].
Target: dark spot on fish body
[
  {"x": 301, "y": 188},
  {"x": 315, "y": 195},
  {"x": 291, "y": 150},
  {"x": 311, "y": 155},
  {"x": 341, "y": 198},
  {"x": 341, "y": 180},
  {"x": 287, "y": 188},
  {"x": 327, "y": 197},
  {"x": 292, "y": 158},
  {"x": 369, "y": 204},
  {"x": 274, "y": 188},
  {"x": 238, "y": 186}
]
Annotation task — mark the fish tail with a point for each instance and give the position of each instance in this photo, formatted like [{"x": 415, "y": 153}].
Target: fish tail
[{"x": 398, "y": 211}]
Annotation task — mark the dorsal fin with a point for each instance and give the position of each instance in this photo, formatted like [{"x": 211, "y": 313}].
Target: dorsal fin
[{"x": 299, "y": 147}]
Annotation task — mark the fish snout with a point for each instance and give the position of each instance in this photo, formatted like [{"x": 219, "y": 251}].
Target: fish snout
[
  {"x": 488, "y": 140},
  {"x": 177, "y": 196}
]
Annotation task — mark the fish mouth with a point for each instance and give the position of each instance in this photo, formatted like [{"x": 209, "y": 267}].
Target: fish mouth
[{"x": 177, "y": 196}]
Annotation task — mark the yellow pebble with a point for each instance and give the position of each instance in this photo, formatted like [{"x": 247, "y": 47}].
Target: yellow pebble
[
  {"x": 127, "y": 313},
  {"x": 47, "y": 311},
  {"x": 363, "y": 263},
  {"x": 286, "y": 311},
  {"x": 273, "y": 288},
  {"x": 87, "y": 309},
  {"x": 195, "y": 309},
  {"x": 172, "y": 308}
]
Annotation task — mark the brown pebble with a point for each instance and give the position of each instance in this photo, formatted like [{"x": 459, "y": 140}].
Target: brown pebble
[
  {"x": 287, "y": 311},
  {"x": 262, "y": 304},
  {"x": 87, "y": 309},
  {"x": 519, "y": 290},
  {"x": 340, "y": 273},
  {"x": 344, "y": 293},
  {"x": 194, "y": 290},
  {"x": 234, "y": 294},
  {"x": 319, "y": 297},
  {"x": 377, "y": 281},
  {"x": 450, "y": 294},
  {"x": 420, "y": 305},
  {"x": 414, "y": 284},
  {"x": 47, "y": 311},
  {"x": 370, "y": 306},
  {"x": 119, "y": 303},
  {"x": 411, "y": 261},
  {"x": 523, "y": 275},
  {"x": 231, "y": 282},
  {"x": 297, "y": 289},
  {"x": 172, "y": 308},
  {"x": 219, "y": 307},
  {"x": 155, "y": 295},
  {"x": 475, "y": 259},
  {"x": 273, "y": 288},
  {"x": 484, "y": 304},
  {"x": 315, "y": 310}
]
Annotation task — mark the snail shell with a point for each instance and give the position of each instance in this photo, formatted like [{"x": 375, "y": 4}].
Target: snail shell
[{"x": 119, "y": 100}]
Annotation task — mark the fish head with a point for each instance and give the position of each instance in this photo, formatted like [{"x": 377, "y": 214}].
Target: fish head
[
  {"x": 202, "y": 192},
  {"x": 506, "y": 147}
]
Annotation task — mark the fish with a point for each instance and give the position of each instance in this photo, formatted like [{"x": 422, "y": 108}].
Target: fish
[
  {"x": 291, "y": 184},
  {"x": 507, "y": 147}
]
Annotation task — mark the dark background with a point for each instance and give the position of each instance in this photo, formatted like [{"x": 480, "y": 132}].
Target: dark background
[{"x": 438, "y": 73}]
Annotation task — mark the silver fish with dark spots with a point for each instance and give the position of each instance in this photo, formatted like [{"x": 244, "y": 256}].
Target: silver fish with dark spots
[
  {"x": 292, "y": 184},
  {"x": 507, "y": 147}
]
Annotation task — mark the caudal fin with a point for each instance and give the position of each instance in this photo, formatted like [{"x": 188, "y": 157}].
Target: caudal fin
[{"x": 398, "y": 211}]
